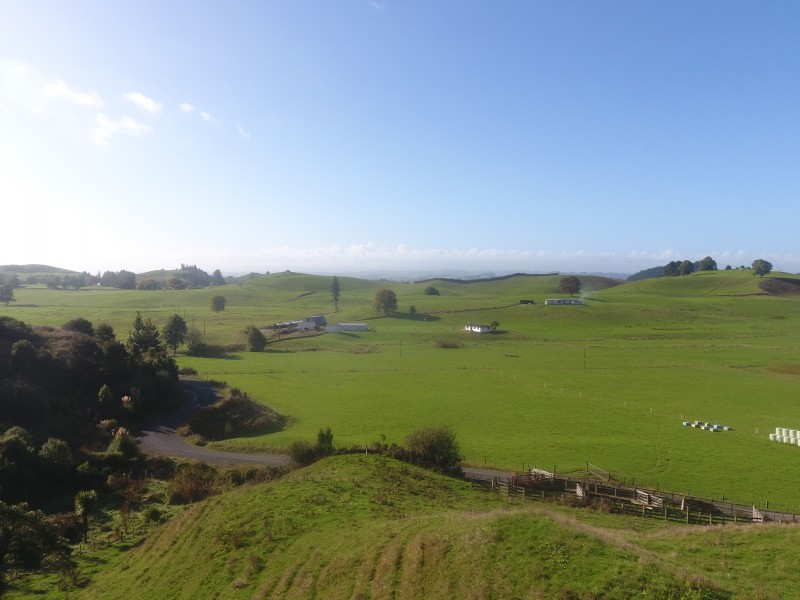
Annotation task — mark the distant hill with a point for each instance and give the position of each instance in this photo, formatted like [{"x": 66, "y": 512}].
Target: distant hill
[{"x": 34, "y": 270}]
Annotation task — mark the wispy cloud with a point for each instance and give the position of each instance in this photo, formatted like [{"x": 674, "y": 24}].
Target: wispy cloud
[
  {"x": 105, "y": 127},
  {"x": 377, "y": 6},
  {"x": 242, "y": 132},
  {"x": 186, "y": 108},
  {"x": 59, "y": 89},
  {"x": 143, "y": 102},
  {"x": 206, "y": 117}
]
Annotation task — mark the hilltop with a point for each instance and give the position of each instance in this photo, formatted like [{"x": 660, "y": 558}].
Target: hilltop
[{"x": 367, "y": 527}]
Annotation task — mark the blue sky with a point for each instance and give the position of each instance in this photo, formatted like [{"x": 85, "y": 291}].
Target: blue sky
[{"x": 409, "y": 136}]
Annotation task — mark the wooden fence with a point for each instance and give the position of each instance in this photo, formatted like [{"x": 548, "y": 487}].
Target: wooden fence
[{"x": 541, "y": 485}]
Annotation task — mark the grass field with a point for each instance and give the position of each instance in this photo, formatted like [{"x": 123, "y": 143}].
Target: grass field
[{"x": 607, "y": 383}]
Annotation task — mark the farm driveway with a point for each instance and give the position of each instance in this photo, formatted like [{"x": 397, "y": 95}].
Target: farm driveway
[{"x": 161, "y": 438}]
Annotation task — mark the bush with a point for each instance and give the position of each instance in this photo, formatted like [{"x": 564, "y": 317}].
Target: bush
[
  {"x": 303, "y": 453},
  {"x": 191, "y": 483},
  {"x": 254, "y": 339},
  {"x": 433, "y": 446},
  {"x": 431, "y": 291}
]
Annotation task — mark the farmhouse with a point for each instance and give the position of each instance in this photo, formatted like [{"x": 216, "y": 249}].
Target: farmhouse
[
  {"x": 478, "y": 328},
  {"x": 346, "y": 327},
  {"x": 572, "y": 301}
]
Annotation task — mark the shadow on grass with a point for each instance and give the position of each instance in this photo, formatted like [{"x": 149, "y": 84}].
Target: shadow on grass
[{"x": 414, "y": 317}]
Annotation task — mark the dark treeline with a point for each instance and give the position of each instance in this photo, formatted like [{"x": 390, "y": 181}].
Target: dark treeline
[{"x": 73, "y": 388}]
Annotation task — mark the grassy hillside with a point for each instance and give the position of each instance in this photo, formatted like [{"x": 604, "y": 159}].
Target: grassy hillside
[{"x": 366, "y": 527}]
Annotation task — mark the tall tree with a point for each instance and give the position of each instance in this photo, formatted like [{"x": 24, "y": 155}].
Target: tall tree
[
  {"x": 686, "y": 268},
  {"x": 569, "y": 285},
  {"x": 174, "y": 332},
  {"x": 217, "y": 278},
  {"x": 708, "y": 264},
  {"x": 7, "y": 293},
  {"x": 385, "y": 301},
  {"x": 217, "y": 303},
  {"x": 144, "y": 337},
  {"x": 336, "y": 292},
  {"x": 761, "y": 267},
  {"x": 672, "y": 269}
]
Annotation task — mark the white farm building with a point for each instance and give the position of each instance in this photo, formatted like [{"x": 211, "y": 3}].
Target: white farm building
[
  {"x": 556, "y": 301},
  {"x": 478, "y": 328}
]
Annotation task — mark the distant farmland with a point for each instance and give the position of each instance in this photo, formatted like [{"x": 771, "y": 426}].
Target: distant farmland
[{"x": 609, "y": 382}]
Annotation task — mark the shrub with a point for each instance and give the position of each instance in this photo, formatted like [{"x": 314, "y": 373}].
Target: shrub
[
  {"x": 433, "y": 446},
  {"x": 191, "y": 483},
  {"x": 303, "y": 453},
  {"x": 254, "y": 339}
]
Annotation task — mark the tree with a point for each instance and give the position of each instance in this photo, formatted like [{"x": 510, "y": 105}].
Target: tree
[
  {"x": 7, "y": 293},
  {"x": 104, "y": 396},
  {"x": 105, "y": 333},
  {"x": 23, "y": 358},
  {"x": 761, "y": 267},
  {"x": 217, "y": 303},
  {"x": 412, "y": 309},
  {"x": 28, "y": 541},
  {"x": 126, "y": 280},
  {"x": 254, "y": 339},
  {"x": 434, "y": 446},
  {"x": 217, "y": 278},
  {"x": 57, "y": 452},
  {"x": 385, "y": 301},
  {"x": 85, "y": 503},
  {"x": 708, "y": 264},
  {"x": 80, "y": 325},
  {"x": 336, "y": 292},
  {"x": 431, "y": 291},
  {"x": 144, "y": 337},
  {"x": 672, "y": 269},
  {"x": 195, "y": 344},
  {"x": 686, "y": 268},
  {"x": 569, "y": 285},
  {"x": 174, "y": 331}
]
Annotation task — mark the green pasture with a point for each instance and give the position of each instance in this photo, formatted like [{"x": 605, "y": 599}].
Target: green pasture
[{"x": 607, "y": 383}]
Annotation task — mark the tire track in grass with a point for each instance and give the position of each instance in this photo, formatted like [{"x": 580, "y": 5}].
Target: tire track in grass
[
  {"x": 363, "y": 565},
  {"x": 277, "y": 587},
  {"x": 384, "y": 581}
]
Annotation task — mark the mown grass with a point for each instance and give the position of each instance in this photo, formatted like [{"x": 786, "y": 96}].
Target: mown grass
[{"x": 366, "y": 527}]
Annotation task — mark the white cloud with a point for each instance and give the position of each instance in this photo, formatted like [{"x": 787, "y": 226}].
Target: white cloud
[
  {"x": 186, "y": 108},
  {"x": 105, "y": 128},
  {"x": 377, "y": 6},
  {"x": 242, "y": 132},
  {"x": 144, "y": 102},
  {"x": 206, "y": 117},
  {"x": 59, "y": 89}
]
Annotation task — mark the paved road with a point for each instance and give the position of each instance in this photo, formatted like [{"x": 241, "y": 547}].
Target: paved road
[{"x": 161, "y": 438}]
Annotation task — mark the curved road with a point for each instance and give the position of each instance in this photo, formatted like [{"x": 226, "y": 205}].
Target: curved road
[{"x": 162, "y": 438}]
